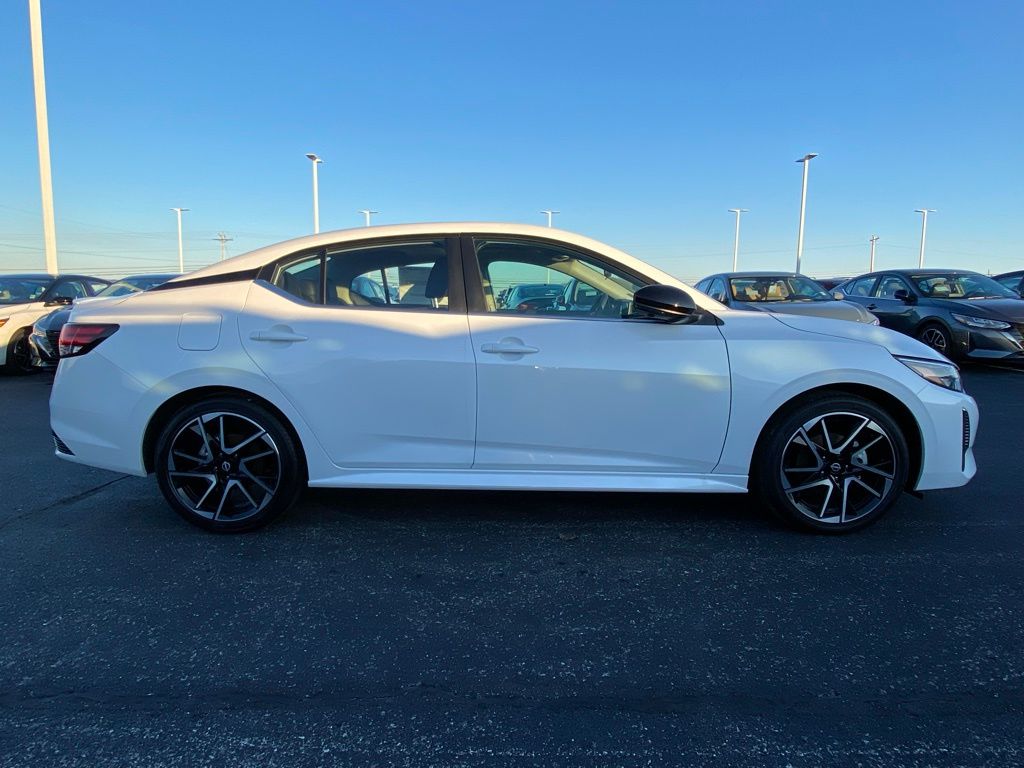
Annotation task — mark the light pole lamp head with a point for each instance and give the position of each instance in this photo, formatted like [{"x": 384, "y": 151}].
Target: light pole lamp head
[
  {"x": 739, "y": 210},
  {"x": 181, "y": 210},
  {"x": 925, "y": 210},
  {"x": 313, "y": 157},
  {"x": 808, "y": 156}
]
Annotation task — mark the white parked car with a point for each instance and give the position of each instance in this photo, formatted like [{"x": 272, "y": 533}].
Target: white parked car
[
  {"x": 240, "y": 383},
  {"x": 26, "y": 298}
]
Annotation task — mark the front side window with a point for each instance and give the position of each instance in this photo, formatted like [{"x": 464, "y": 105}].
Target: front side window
[
  {"x": 717, "y": 290},
  {"x": 21, "y": 290},
  {"x": 70, "y": 289},
  {"x": 888, "y": 286},
  {"x": 861, "y": 287},
  {"x": 533, "y": 278}
]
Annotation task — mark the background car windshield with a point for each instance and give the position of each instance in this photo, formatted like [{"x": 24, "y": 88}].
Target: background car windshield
[
  {"x": 963, "y": 285},
  {"x": 755, "y": 288},
  {"x": 21, "y": 290},
  {"x": 132, "y": 285}
]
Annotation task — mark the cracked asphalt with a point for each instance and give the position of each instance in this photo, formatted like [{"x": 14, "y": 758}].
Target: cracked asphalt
[{"x": 507, "y": 629}]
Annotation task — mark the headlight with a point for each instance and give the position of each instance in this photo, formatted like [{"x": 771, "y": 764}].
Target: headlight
[
  {"x": 3, "y": 321},
  {"x": 982, "y": 322},
  {"x": 945, "y": 375},
  {"x": 875, "y": 321}
]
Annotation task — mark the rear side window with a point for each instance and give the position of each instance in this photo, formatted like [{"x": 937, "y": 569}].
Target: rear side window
[{"x": 400, "y": 275}]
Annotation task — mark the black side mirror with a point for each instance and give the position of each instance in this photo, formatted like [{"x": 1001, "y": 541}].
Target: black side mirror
[
  {"x": 665, "y": 303},
  {"x": 58, "y": 301},
  {"x": 905, "y": 296}
]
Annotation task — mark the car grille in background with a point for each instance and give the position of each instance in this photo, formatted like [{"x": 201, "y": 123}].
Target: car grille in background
[
  {"x": 60, "y": 445},
  {"x": 966, "y": 440},
  {"x": 53, "y": 338}
]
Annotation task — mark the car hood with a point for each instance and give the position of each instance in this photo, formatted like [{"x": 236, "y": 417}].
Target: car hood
[
  {"x": 895, "y": 343},
  {"x": 54, "y": 320},
  {"x": 837, "y": 310},
  {"x": 6, "y": 310},
  {"x": 996, "y": 309}
]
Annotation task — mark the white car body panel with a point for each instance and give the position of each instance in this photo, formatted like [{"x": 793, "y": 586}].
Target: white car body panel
[
  {"x": 18, "y": 316},
  {"x": 386, "y": 398}
]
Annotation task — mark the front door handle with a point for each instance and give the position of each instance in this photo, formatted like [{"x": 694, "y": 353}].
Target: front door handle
[
  {"x": 277, "y": 333},
  {"x": 508, "y": 347},
  {"x": 872, "y": 306}
]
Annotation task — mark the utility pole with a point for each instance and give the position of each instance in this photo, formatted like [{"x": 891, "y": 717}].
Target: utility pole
[
  {"x": 871, "y": 264},
  {"x": 806, "y": 159},
  {"x": 316, "y": 192},
  {"x": 224, "y": 240},
  {"x": 35, "y": 20},
  {"x": 367, "y": 213},
  {"x": 924, "y": 232},
  {"x": 181, "y": 251},
  {"x": 550, "y": 214},
  {"x": 736, "y": 240}
]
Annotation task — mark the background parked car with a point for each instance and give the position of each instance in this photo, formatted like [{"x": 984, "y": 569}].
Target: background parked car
[
  {"x": 26, "y": 298},
  {"x": 830, "y": 283},
  {"x": 46, "y": 330},
  {"x": 1012, "y": 280},
  {"x": 531, "y": 296},
  {"x": 785, "y": 292},
  {"x": 959, "y": 313}
]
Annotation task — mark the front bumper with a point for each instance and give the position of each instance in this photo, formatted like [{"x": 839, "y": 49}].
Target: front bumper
[
  {"x": 985, "y": 344},
  {"x": 947, "y": 439},
  {"x": 44, "y": 351}
]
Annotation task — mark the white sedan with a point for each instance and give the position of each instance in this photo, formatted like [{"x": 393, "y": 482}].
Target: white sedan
[{"x": 380, "y": 358}]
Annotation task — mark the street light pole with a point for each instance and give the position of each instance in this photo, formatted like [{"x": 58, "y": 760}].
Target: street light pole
[
  {"x": 367, "y": 213},
  {"x": 316, "y": 192},
  {"x": 871, "y": 264},
  {"x": 181, "y": 251},
  {"x": 924, "y": 232},
  {"x": 43, "y": 135},
  {"x": 736, "y": 241},
  {"x": 806, "y": 159},
  {"x": 550, "y": 214}
]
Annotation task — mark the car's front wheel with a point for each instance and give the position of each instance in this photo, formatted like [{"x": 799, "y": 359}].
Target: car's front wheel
[
  {"x": 19, "y": 355},
  {"x": 938, "y": 338},
  {"x": 228, "y": 465},
  {"x": 832, "y": 464}
]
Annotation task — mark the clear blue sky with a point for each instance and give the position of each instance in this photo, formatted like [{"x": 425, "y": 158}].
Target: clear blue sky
[{"x": 642, "y": 121}]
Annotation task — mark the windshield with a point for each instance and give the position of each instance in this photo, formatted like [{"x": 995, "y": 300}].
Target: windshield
[
  {"x": 20, "y": 290},
  {"x": 769, "y": 288},
  {"x": 961, "y": 285},
  {"x": 132, "y": 285}
]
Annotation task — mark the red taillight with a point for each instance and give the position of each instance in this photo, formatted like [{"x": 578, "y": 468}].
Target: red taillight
[{"x": 79, "y": 338}]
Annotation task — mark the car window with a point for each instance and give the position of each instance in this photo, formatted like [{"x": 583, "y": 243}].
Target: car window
[
  {"x": 393, "y": 276},
  {"x": 962, "y": 285},
  {"x": 861, "y": 287},
  {"x": 20, "y": 290},
  {"x": 888, "y": 286},
  {"x": 97, "y": 285},
  {"x": 300, "y": 278},
  {"x": 717, "y": 290},
  {"x": 69, "y": 289},
  {"x": 533, "y": 278},
  {"x": 1013, "y": 282}
]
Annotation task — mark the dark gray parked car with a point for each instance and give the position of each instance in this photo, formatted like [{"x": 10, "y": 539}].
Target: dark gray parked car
[
  {"x": 785, "y": 292},
  {"x": 1012, "y": 280},
  {"x": 960, "y": 314}
]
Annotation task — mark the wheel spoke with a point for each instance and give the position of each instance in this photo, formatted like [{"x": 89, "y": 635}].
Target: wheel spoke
[
  {"x": 203, "y": 475},
  {"x": 808, "y": 486},
  {"x": 828, "y": 438},
  {"x": 206, "y": 437},
  {"x": 814, "y": 447},
  {"x": 256, "y": 480},
  {"x": 231, "y": 451},
  {"x": 828, "y": 498},
  {"x": 206, "y": 495},
  {"x": 223, "y": 497},
  {"x": 867, "y": 487},
  {"x": 188, "y": 456},
  {"x": 875, "y": 470},
  {"x": 853, "y": 434},
  {"x": 247, "y": 495}
]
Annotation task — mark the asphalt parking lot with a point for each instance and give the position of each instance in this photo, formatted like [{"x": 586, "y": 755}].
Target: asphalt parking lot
[{"x": 402, "y": 628}]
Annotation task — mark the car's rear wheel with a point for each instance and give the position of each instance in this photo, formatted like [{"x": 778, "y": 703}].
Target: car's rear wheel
[
  {"x": 19, "y": 356},
  {"x": 832, "y": 464},
  {"x": 228, "y": 465},
  {"x": 936, "y": 337}
]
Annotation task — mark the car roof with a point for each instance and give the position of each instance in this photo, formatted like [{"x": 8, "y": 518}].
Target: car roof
[
  {"x": 764, "y": 273},
  {"x": 1012, "y": 273},
  {"x": 45, "y": 276},
  {"x": 262, "y": 256}
]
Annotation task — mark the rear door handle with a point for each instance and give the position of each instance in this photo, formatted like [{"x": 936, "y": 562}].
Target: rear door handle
[
  {"x": 508, "y": 347},
  {"x": 872, "y": 306},
  {"x": 277, "y": 333}
]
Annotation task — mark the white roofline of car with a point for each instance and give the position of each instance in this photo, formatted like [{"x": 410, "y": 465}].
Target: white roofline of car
[{"x": 270, "y": 253}]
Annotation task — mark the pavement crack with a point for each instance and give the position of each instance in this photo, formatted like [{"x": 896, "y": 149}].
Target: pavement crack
[{"x": 62, "y": 501}]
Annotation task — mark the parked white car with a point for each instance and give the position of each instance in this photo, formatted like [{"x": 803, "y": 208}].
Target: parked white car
[
  {"x": 240, "y": 383},
  {"x": 26, "y": 298}
]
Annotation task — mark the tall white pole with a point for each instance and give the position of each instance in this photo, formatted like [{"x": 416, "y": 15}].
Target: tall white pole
[
  {"x": 316, "y": 192},
  {"x": 43, "y": 135},
  {"x": 181, "y": 250},
  {"x": 549, "y": 215},
  {"x": 924, "y": 233},
  {"x": 806, "y": 159},
  {"x": 367, "y": 213},
  {"x": 871, "y": 263},
  {"x": 736, "y": 240}
]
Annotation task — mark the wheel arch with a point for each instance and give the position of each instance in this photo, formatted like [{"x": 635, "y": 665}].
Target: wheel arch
[
  {"x": 166, "y": 412},
  {"x": 903, "y": 416}
]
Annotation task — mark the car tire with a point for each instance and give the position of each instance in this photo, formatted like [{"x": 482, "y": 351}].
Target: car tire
[
  {"x": 937, "y": 337},
  {"x": 832, "y": 464},
  {"x": 228, "y": 465},
  {"x": 19, "y": 356}
]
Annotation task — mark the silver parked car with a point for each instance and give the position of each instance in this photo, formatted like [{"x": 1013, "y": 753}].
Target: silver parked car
[{"x": 785, "y": 292}]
